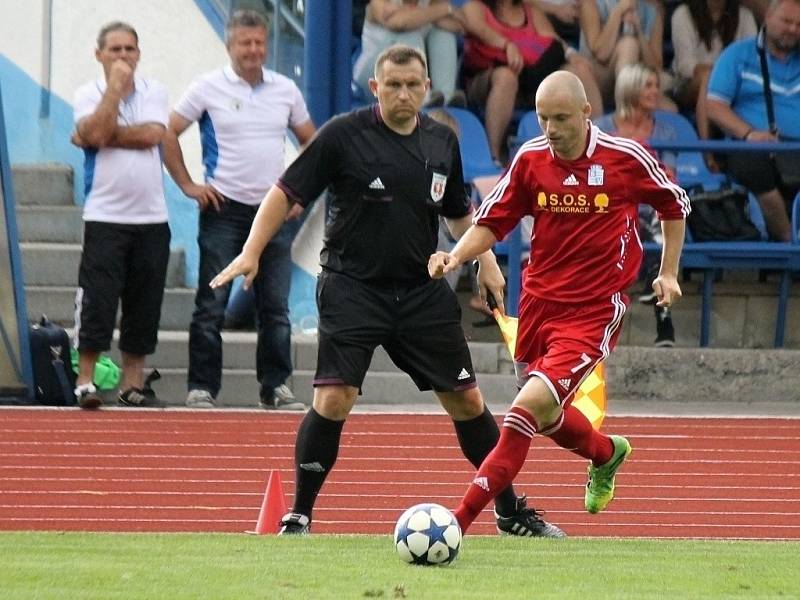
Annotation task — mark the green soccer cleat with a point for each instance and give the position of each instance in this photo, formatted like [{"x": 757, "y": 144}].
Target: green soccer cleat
[{"x": 600, "y": 487}]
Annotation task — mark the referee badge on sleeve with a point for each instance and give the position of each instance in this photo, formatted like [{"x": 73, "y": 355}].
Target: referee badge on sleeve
[{"x": 438, "y": 183}]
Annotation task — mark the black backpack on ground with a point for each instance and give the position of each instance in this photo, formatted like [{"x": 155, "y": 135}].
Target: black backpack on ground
[{"x": 53, "y": 378}]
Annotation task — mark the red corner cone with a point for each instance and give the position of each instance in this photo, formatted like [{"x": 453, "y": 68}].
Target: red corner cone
[{"x": 272, "y": 508}]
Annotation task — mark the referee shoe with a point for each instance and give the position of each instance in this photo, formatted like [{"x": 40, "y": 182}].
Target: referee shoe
[{"x": 526, "y": 522}]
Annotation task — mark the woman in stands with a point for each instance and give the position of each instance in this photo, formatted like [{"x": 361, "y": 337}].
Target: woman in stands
[
  {"x": 700, "y": 30},
  {"x": 637, "y": 95},
  {"x": 615, "y": 33},
  {"x": 509, "y": 48}
]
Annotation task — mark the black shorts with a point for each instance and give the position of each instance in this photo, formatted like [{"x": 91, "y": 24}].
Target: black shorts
[
  {"x": 127, "y": 263},
  {"x": 419, "y": 327},
  {"x": 754, "y": 171}
]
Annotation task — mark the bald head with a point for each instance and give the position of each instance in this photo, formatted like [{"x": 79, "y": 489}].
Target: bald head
[
  {"x": 563, "y": 113},
  {"x": 562, "y": 86}
]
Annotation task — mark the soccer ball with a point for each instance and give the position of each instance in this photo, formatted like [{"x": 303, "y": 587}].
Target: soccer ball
[{"x": 427, "y": 534}]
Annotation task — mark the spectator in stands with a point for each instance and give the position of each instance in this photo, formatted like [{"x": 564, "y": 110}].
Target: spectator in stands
[
  {"x": 737, "y": 105},
  {"x": 431, "y": 26},
  {"x": 615, "y": 33},
  {"x": 244, "y": 111},
  {"x": 563, "y": 15},
  {"x": 758, "y": 8},
  {"x": 700, "y": 30},
  {"x": 391, "y": 172},
  {"x": 636, "y": 95},
  {"x": 120, "y": 122},
  {"x": 509, "y": 49}
]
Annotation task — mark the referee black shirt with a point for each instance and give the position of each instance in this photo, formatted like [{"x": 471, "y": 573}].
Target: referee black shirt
[{"x": 386, "y": 193}]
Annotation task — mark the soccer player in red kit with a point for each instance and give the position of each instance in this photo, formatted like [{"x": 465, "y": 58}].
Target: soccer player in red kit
[{"x": 582, "y": 188}]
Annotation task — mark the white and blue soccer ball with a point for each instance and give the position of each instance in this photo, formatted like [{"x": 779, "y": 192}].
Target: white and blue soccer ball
[{"x": 427, "y": 534}]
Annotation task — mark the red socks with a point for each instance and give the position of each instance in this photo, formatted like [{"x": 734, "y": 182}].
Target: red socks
[
  {"x": 574, "y": 432},
  {"x": 500, "y": 466}
]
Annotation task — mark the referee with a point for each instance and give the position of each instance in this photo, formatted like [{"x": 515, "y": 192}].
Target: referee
[{"x": 391, "y": 172}]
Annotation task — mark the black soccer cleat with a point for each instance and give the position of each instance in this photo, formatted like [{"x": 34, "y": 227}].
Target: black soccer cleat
[
  {"x": 527, "y": 522},
  {"x": 294, "y": 524}
]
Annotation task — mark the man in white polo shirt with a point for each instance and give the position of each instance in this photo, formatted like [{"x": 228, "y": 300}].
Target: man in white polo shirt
[
  {"x": 120, "y": 122},
  {"x": 244, "y": 111}
]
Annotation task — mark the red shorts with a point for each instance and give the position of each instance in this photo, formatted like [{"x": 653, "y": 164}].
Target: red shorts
[{"x": 562, "y": 343}]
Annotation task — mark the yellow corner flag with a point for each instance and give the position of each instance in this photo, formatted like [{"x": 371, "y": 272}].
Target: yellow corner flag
[{"x": 590, "y": 397}]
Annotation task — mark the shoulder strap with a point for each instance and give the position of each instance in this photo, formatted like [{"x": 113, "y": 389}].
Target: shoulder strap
[
  {"x": 761, "y": 43},
  {"x": 61, "y": 374}
]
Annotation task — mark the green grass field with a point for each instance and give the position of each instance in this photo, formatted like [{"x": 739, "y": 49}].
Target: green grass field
[{"x": 69, "y": 566}]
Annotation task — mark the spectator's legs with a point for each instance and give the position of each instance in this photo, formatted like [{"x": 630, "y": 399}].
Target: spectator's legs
[
  {"x": 273, "y": 354},
  {"x": 132, "y": 371},
  {"x": 626, "y": 53},
  {"x": 775, "y": 217},
  {"x": 442, "y": 60},
  {"x": 221, "y": 235},
  {"x": 497, "y": 90}
]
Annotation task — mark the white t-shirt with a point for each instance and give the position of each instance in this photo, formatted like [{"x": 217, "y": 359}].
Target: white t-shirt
[
  {"x": 690, "y": 51},
  {"x": 243, "y": 129},
  {"x": 124, "y": 185}
]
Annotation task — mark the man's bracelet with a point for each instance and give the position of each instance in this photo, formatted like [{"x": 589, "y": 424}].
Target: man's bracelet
[{"x": 747, "y": 134}]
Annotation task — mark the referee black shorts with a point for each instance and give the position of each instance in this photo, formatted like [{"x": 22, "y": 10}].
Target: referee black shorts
[
  {"x": 419, "y": 327},
  {"x": 126, "y": 263}
]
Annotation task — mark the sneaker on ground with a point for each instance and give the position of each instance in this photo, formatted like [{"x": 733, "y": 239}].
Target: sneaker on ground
[
  {"x": 665, "y": 332},
  {"x": 199, "y": 399},
  {"x": 282, "y": 399},
  {"x": 294, "y": 524},
  {"x": 600, "y": 487},
  {"x": 526, "y": 522},
  {"x": 87, "y": 396},
  {"x": 143, "y": 397}
]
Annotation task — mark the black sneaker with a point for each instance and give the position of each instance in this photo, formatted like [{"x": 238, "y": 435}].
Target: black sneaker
[
  {"x": 665, "y": 332},
  {"x": 144, "y": 397},
  {"x": 527, "y": 522},
  {"x": 294, "y": 524}
]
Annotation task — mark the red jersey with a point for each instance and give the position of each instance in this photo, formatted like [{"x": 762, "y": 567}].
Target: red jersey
[{"x": 585, "y": 242}]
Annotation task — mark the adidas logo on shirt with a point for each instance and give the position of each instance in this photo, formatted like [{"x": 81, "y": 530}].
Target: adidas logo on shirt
[
  {"x": 463, "y": 375},
  {"x": 571, "y": 180},
  {"x": 565, "y": 383},
  {"x": 482, "y": 482},
  {"x": 377, "y": 184}
]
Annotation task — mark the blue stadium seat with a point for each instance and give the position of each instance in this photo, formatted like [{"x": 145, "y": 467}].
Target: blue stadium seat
[
  {"x": 475, "y": 153},
  {"x": 691, "y": 168},
  {"x": 527, "y": 128}
]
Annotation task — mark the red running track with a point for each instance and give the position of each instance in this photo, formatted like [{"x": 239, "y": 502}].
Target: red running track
[{"x": 128, "y": 470}]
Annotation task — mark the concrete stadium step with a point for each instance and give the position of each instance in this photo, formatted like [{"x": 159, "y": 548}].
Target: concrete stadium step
[
  {"x": 240, "y": 388},
  {"x": 55, "y": 224},
  {"x": 43, "y": 184},
  {"x": 54, "y": 264},
  {"x": 239, "y": 352},
  {"x": 58, "y": 303},
  {"x": 633, "y": 373}
]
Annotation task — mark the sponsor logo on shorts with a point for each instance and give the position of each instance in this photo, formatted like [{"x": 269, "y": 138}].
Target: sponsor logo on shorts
[
  {"x": 463, "y": 375},
  {"x": 565, "y": 383}
]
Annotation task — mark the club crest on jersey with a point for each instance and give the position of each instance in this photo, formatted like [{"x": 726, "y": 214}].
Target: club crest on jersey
[
  {"x": 438, "y": 183},
  {"x": 595, "y": 176}
]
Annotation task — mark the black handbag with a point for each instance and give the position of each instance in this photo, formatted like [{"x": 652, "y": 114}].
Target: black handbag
[
  {"x": 786, "y": 164},
  {"x": 720, "y": 215}
]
